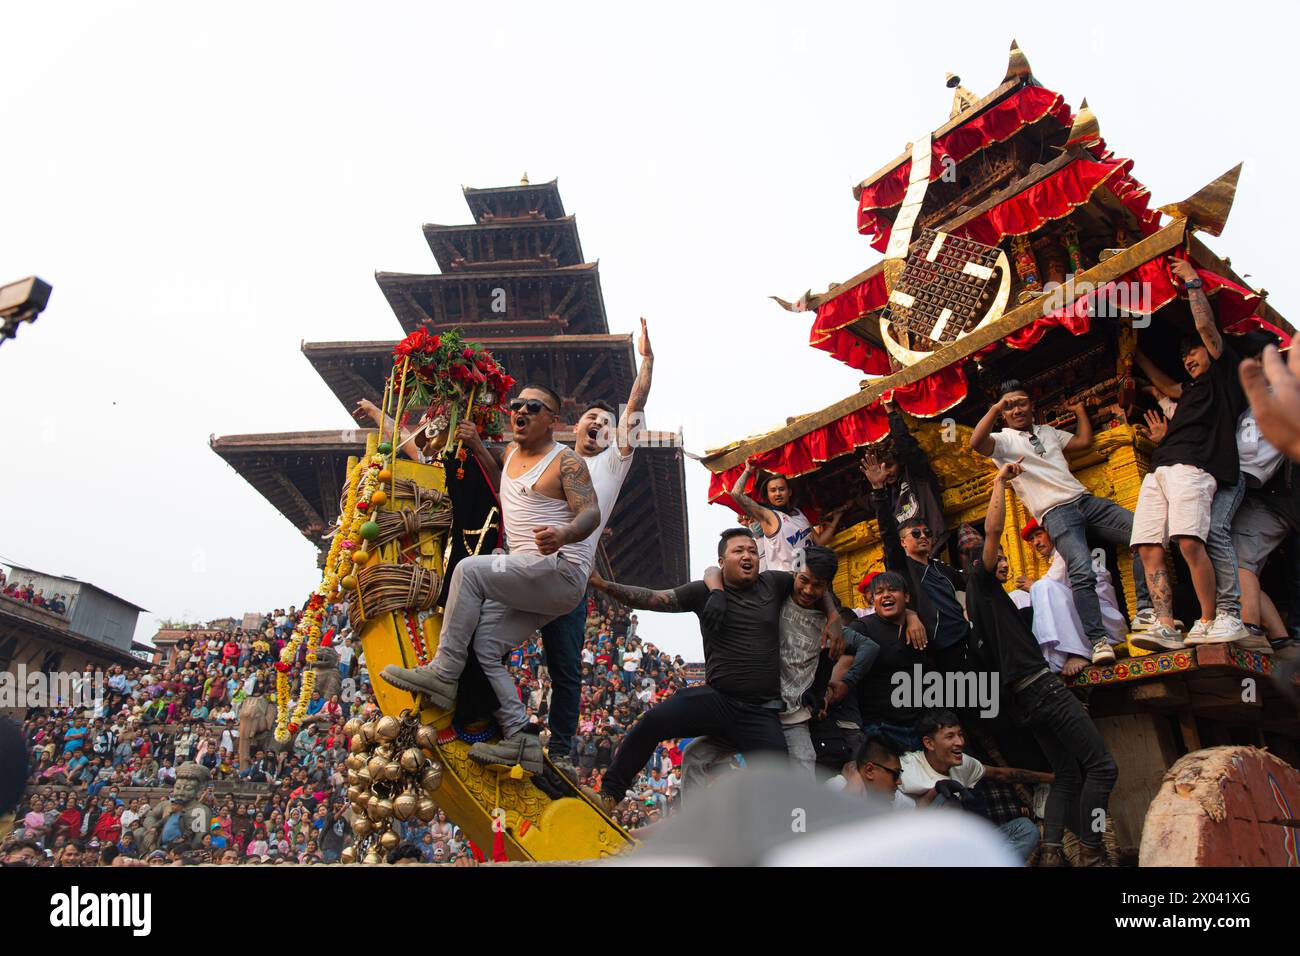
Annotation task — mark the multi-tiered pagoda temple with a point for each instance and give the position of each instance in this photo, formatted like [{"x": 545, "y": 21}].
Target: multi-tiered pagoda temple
[{"x": 516, "y": 281}]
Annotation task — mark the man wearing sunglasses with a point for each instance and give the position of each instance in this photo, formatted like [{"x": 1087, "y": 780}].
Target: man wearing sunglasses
[
  {"x": 549, "y": 510},
  {"x": 1059, "y": 501},
  {"x": 932, "y": 583},
  {"x": 874, "y": 770}
]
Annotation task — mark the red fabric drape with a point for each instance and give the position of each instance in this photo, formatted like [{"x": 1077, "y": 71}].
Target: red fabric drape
[
  {"x": 835, "y": 315},
  {"x": 1023, "y": 108},
  {"x": 1054, "y": 197},
  {"x": 932, "y": 395}
]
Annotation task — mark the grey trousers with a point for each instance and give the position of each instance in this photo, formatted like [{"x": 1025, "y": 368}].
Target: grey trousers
[
  {"x": 496, "y": 601},
  {"x": 704, "y": 755}
]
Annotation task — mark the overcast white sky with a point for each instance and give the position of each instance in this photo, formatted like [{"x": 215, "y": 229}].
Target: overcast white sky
[{"x": 206, "y": 187}]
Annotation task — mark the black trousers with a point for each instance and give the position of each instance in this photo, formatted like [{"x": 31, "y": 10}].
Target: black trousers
[
  {"x": 1085, "y": 771},
  {"x": 694, "y": 712}
]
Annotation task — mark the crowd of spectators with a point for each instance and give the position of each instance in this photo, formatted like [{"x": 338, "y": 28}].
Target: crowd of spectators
[
  {"x": 95, "y": 772},
  {"x": 36, "y": 597}
]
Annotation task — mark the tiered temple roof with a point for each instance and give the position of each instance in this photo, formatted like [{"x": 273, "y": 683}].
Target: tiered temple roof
[{"x": 514, "y": 281}]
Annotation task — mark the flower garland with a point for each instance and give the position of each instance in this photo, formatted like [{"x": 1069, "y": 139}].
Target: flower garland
[
  {"x": 346, "y": 553},
  {"x": 454, "y": 379}
]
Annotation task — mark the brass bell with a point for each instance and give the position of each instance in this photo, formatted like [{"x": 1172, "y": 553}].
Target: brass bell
[
  {"x": 431, "y": 778},
  {"x": 358, "y": 808},
  {"x": 372, "y": 858},
  {"x": 358, "y": 744},
  {"x": 352, "y": 778},
  {"x": 355, "y": 761},
  {"x": 427, "y": 738},
  {"x": 387, "y": 728},
  {"x": 354, "y": 792},
  {"x": 426, "y": 810},
  {"x": 380, "y": 809},
  {"x": 349, "y": 855},
  {"x": 364, "y": 780},
  {"x": 385, "y": 751},
  {"x": 390, "y": 840},
  {"x": 404, "y": 806},
  {"x": 412, "y": 759},
  {"x": 352, "y": 727},
  {"x": 376, "y": 766},
  {"x": 362, "y": 827},
  {"x": 392, "y": 770},
  {"x": 368, "y": 732}
]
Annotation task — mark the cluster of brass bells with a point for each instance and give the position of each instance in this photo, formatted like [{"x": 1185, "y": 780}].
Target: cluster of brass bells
[{"x": 392, "y": 777}]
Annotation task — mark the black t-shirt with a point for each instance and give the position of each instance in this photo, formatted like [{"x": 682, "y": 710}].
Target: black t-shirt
[
  {"x": 743, "y": 660},
  {"x": 1203, "y": 431},
  {"x": 876, "y": 687},
  {"x": 1005, "y": 642}
]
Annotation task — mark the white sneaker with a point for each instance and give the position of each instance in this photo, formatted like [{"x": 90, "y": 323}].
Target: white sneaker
[
  {"x": 1225, "y": 630},
  {"x": 1197, "y": 635},
  {"x": 1102, "y": 653},
  {"x": 1146, "y": 620},
  {"x": 1158, "y": 639}
]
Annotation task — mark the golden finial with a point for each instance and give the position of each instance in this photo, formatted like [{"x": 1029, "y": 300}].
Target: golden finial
[
  {"x": 1085, "y": 130},
  {"x": 1207, "y": 209},
  {"x": 962, "y": 98},
  {"x": 1017, "y": 64},
  {"x": 523, "y": 180}
]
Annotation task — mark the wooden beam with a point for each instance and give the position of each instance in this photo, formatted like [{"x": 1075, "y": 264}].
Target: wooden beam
[
  {"x": 1168, "y": 238},
  {"x": 297, "y": 497}
]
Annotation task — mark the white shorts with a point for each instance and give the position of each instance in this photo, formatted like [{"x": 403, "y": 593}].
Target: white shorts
[{"x": 1174, "y": 500}]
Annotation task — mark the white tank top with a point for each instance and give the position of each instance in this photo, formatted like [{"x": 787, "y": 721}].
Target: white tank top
[
  {"x": 791, "y": 537},
  {"x": 523, "y": 508}
]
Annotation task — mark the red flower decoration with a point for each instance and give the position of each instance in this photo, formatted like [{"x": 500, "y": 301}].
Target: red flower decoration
[{"x": 282, "y": 667}]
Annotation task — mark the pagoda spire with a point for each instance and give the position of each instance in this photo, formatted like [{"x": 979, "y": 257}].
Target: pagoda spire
[{"x": 1017, "y": 64}]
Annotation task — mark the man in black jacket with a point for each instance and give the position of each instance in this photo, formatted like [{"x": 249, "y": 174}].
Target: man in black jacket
[{"x": 932, "y": 584}]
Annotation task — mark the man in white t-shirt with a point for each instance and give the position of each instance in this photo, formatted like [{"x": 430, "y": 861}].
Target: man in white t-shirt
[
  {"x": 944, "y": 759},
  {"x": 606, "y": 443},
  {"x": 1051, "y": 493}
]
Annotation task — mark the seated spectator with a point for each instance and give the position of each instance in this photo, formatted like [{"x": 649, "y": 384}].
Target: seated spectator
[{"x": 943, "y": 760}]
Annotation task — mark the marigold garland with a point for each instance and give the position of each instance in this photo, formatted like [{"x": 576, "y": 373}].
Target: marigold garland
[{"x": 363, "y": 482}]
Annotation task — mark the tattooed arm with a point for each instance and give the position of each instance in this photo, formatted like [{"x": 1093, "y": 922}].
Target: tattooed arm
[
  {"x": 640, "y": 392},
  {"x": 1202, "y": 311},
  {"x": 575, "y": 481},
  {"x": 764, "y": 516},
  {"x": 643, "y": 599},
  {"x": 1015, "y": 775}
]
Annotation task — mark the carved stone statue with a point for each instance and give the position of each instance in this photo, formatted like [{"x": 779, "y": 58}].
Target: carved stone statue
[
  {"x": 190, "y": 818},
  {"x": 328, "y": 679}
]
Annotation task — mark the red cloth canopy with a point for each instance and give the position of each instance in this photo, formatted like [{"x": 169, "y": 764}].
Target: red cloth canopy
[{"x": 1026, "y": 106}]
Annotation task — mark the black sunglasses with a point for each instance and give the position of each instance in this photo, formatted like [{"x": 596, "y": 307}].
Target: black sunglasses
[
  {"x": 919, "y": 533},
  {"x": 896, "y": 773},
  {"x": 533, "y": 405}
]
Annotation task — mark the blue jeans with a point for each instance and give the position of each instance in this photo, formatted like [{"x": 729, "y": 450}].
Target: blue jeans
[
  {"x": 1022, "y": 834},
  {"x": 1068, "y": 525},
  {"x": 1227, "y": 588},
  {"x": 562, "y": 641}
]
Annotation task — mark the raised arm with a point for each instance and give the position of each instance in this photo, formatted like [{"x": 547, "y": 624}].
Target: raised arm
[
  {"x": 764, "y": 516},
  {"x": 1199, "y": 303},
  {"x": 1162, "y": 382},
  {"x": 643, "y": 599},
  {"x": 981, "y": 436},
  {"x": 637, "y": 398},
  {"x": 996, "y": 519},
  {"x": 370, "y": 411},
  {"x": 1082, "y": 439},
  {"x": 895, "y": 556}
]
